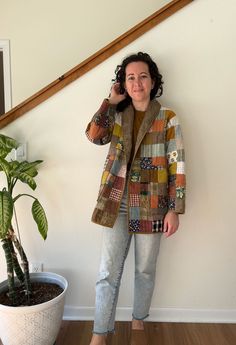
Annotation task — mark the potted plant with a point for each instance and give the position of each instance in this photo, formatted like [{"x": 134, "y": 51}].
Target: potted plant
[{"x": 20, "y": 289}]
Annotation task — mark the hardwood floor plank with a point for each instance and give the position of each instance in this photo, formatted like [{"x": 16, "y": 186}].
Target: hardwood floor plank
[
  {"x": 75, "y": 333},
  {"x": 158, "y": 333}
]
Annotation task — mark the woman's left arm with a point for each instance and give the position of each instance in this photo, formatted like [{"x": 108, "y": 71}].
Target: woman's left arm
[{"x": 176, "y": 173}]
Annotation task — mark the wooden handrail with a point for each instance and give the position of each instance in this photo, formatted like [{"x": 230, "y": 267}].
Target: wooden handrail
[{"x": 93, "y": 61}]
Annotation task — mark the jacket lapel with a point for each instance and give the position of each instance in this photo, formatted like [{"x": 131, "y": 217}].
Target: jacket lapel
[
  {"x": 127, "y": 127},
  {"x": 152, "y": 111}
]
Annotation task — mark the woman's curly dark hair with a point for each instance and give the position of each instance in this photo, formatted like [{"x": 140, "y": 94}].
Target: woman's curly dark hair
[{"x": 154, "y": 73}]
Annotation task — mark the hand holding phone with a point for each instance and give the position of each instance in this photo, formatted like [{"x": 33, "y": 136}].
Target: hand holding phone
[{"x": 115, "y": 96}]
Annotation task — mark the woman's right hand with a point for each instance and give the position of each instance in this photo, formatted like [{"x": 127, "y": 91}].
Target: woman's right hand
[{"x": 115, "y": 96}]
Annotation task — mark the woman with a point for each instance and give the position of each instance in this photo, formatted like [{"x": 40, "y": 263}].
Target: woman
[{"x": 142, "y": 188}]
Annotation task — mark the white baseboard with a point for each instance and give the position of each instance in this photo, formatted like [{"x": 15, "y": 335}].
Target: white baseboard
[{"x": 159, "y": 314}]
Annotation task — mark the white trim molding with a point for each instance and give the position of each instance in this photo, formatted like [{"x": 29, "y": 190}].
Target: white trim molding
[
  {"x": 5, "y": 48},
  {"x": 159, "y": 314}
]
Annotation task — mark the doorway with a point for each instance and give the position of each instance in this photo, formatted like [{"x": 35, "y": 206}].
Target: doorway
[
  {"x": 5, "y": 77},
  {"x": 2, "y": 98}
]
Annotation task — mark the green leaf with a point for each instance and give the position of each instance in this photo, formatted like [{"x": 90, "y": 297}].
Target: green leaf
[
  {"x": 6, "y": 212},
  {"x": 6, "y": 145},
  {"x": 27, "y": 168},
  {"x": 32, "y": 172},
  {"x": 4, "y": 165},
  {"x": 13, "y": 165},
  {"x": 40, "y": 218},
  {"x": 25, "y": 178},
  {"x": 3, "y": 152}
]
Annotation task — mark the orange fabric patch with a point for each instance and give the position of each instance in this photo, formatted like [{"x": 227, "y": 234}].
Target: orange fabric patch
[
  {"x": 159, "y": 161},
  {"x": 180, "y": 180},
  {"x": 154, "y": 201},
  {"x": 172, "y": 191},
  {"x": 158, "y": 126},
  {"x": 96, "y": 132},
  {"x": 169, "y": 114},
  {"x": 170, "y": 134}
]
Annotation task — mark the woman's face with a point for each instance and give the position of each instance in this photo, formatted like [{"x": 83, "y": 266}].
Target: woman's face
[{"x": 138, "y": 82}]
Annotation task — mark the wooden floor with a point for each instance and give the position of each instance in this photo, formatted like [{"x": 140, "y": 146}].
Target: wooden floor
[{"x": 79, "y": 333}]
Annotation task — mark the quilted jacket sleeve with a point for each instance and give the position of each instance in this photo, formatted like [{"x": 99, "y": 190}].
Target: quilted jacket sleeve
[
  {"x": 99, "y": 130},
  {"x": 176, "y": 164}
]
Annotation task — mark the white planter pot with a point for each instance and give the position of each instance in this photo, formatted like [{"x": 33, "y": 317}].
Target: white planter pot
[{"x": 33, "y": 325}]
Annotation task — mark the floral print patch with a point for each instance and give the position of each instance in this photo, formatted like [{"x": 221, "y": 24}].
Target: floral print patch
[
  {"x": 180, "y": 192},
  {"x": 172, "y": 157},
  {"x": 135, "y": 176},
  {"x": 146, "y": 164}
]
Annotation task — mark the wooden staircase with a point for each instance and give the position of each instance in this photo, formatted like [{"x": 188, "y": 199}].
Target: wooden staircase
[{"x": 94, "y": 60}]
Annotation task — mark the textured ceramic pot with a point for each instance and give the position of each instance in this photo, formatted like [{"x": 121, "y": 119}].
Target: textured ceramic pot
[{"x": 38, "y": 324}]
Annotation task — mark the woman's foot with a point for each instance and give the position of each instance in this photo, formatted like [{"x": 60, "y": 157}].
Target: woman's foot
[
  {"x": 138, "y": 336},
  {"x": 98, "y": 340},
  {"x": 137, "y": 324}
]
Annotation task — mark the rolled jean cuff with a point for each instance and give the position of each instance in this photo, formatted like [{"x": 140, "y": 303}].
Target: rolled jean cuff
[
  {"x": 140, "y": 318},
  {"x": 103, "y": 333}
]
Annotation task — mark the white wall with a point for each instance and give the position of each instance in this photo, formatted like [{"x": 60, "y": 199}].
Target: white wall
[
  {"x": 196, "y": 269},
  {"x": 48, "y": 38}
]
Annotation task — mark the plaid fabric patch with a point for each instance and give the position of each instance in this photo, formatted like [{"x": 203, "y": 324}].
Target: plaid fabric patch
[
  {"x": 146, "y": 226},
  {"x": 134, "y": 200},
  {"x": 115, "y": 194},
  {"x": 157, "y": 225},
  {"x": 122, "y": 171},
  {"x": 180, "y": 168},
  {"x": 118, "y": 183},
  {"x": 144, "y": 189},
  {"x": 134, "y": 188}
]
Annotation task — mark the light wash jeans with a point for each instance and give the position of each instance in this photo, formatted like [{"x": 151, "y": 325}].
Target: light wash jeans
[{"x": 115, "y": 247}]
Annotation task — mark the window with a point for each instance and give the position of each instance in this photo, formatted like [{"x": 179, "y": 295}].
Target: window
[{"x": 5, "y": 79}]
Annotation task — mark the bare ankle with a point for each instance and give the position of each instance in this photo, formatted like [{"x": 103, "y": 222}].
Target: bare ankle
[
  {"x": 98, "y": 339},
  {"x": 137, "y": 324}
]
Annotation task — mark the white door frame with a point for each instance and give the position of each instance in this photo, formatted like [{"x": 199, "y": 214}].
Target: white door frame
[{"x": 5, "y": 48}]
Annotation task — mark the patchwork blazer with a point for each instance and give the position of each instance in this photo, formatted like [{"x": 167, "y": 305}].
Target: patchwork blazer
[{"x": 156, "y": 178}]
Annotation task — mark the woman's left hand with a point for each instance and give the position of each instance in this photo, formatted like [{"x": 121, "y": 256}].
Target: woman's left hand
[{"x": 171, "y": 223}]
